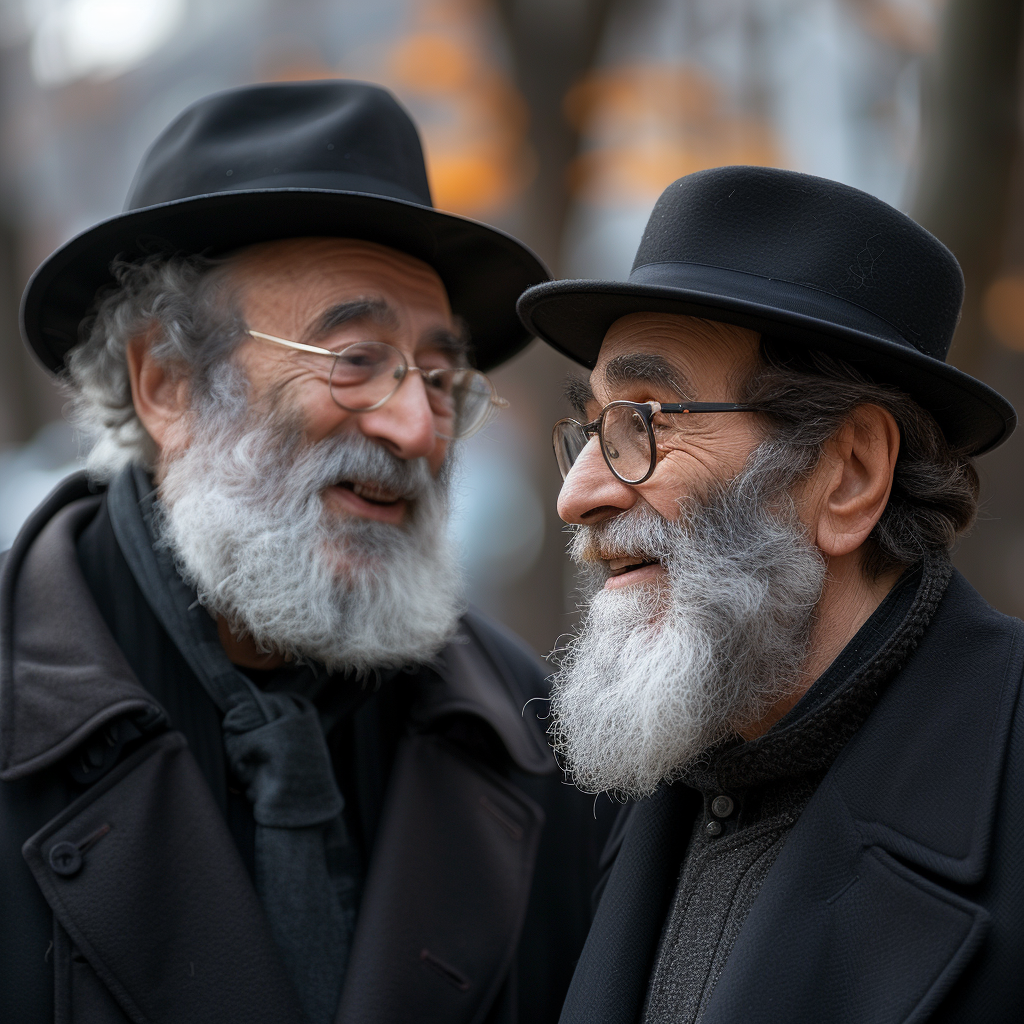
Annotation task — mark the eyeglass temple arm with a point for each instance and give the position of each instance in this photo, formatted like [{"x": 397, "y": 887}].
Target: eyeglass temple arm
[
  {"x": 297, "y": 345},
  {"x": 501, "y": 403},
  {"x": 678, "y": 407}
]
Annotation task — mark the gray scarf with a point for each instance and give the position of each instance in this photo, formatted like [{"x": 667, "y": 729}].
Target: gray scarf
[{"x": 276, "y": 747}]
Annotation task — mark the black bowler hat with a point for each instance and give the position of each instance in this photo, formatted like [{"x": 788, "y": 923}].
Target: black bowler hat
[
  {"x": 288, "y": 160},
  {"x": 805, "y": 260}
]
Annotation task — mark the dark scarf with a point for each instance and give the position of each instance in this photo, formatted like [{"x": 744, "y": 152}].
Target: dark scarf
[{"x": 275, "y": 745}]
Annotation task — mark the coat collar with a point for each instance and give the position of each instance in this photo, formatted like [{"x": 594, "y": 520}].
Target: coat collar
[
  {"x": 904, "y": 816},
  {"x": 62, "y": 676},
  {"x": 471, "y": 676}
]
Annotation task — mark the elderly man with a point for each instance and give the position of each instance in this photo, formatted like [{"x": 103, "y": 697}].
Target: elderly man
[
  {"x": 256, "y": 763},
  {"x": 817, "y": 715}
]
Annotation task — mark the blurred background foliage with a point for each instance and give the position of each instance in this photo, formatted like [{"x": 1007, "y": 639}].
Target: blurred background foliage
[{"x": 560, "y": 121}]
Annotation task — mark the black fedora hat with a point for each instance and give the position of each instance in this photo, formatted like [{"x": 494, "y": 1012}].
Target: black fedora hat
[
  {"x": 288, "y": 160},
  {"x": 805, "y": 260}
]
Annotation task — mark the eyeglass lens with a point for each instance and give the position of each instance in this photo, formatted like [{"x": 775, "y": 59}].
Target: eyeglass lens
[
  {"x": 569, "y": 441},
  {"x": 624, "y": 438},
  {"x": 627, "y": 445},
  {"x": 367, "y": 374}
]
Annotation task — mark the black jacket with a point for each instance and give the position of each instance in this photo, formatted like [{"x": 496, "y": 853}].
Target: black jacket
[
  {"x": 124, "y": 897},
  {"x": 899, "y": 895}
]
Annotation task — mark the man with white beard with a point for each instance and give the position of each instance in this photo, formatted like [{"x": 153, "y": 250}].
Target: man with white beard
[
  {"x": 817, "y": 717},
  {"x": 258, "y": 763}
]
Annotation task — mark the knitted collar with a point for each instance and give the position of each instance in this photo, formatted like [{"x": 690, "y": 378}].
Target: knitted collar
[{"x": 809, "y": 738}]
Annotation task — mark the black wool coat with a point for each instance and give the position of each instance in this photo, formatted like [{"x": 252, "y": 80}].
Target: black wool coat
[
  {"x": 123, "y": 894},
  {"x": 899, "y": 895}
]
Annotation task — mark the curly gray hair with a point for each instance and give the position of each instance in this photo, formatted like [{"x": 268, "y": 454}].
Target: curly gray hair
[{"x": 183, "y": 304}]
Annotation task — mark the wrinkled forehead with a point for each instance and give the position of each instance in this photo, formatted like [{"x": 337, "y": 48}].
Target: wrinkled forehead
[
  {"x": 686, "y": 355},
  {"x": 313, "y": 270}
]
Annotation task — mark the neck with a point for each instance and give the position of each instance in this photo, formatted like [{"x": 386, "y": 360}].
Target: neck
[{"x": 847, "y": 601}]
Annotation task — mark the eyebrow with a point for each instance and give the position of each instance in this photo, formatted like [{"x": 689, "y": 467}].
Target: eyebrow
[
  {"x": 645, "y": 368},
  {"x": 455, "y": 341},
  {"x": 331, "y": 319},
  {"x": 578, "y": 393}
]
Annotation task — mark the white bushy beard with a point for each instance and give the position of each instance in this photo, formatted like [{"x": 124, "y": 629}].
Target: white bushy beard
[
  {"x": 660, "y": 672},
  {"x": 242, "y": 512}
]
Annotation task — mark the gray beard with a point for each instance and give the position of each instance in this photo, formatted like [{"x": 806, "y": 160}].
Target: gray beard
[
  {"x": 660, "y": 672},
  {"x": 241, "y": 511}
]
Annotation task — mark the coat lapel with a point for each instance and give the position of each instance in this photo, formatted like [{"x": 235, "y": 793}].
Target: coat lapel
[
  {"x": 844, "y": 932},
  {"x": 145, "y": 880},
  {"x": 859, "y": 918},
  {"x": 439, "y": 921},
  {"x": 611, "y": 979}
]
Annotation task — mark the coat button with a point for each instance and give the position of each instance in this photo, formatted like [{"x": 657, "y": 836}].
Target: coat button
[
  {"x": 65, "y": 859},
  {"x": 713, "y": 828},
  {"x": 722, "y": 805}
]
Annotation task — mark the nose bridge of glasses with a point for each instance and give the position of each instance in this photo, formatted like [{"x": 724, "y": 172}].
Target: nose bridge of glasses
[{"x": 587, "y": 444}]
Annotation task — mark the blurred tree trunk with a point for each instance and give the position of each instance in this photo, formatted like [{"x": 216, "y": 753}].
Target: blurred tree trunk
[
  {"x": 553, "y": 43},
  {"x": 969, "y": 191},
  {"x": 16, "y": 421},
  {"x": 970, "y": 132}
]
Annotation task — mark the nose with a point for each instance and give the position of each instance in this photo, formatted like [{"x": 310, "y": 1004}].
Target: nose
[
  {"x": 591, "y": 492},
  {"x": 405, "y": 423}
]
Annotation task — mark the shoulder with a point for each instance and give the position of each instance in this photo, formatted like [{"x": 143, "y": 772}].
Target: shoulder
[
  {"x": 962, "y": 606},
  {"x": 968, "y": 642}
]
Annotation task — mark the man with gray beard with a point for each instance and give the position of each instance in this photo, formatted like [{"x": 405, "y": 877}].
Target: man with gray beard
[
  {"x": 817, "y": 718},
  {"x": 258, "y": 762}
]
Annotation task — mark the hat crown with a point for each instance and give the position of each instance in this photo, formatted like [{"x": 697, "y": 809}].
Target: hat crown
[
  {"x": 339, "y": 135},
  {"x": 813, "y": 233}
]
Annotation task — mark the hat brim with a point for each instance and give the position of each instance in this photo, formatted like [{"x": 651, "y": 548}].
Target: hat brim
[
  {"x": 574, "y": 316},
  {"x": 483, "y": 269}
]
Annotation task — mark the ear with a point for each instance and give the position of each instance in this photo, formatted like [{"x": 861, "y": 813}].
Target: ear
[
  {"x": 159, "y": 394},
  {"x": 851, "y": 485}
]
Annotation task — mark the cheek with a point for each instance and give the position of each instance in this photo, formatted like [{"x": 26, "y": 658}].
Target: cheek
[
  {"x": 320, "y": 416},
  {"x": 690, "y": 469}
]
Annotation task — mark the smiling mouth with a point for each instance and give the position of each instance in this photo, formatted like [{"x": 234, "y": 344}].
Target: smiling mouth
[
  {"x": 373, "y": 493},
  {"x": 620, "y": 566}
]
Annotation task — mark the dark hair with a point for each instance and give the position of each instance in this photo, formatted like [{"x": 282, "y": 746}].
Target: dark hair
[{"x": 935, "y": 487}]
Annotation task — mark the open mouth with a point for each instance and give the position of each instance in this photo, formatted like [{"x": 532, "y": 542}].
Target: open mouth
[
  {"x": 373, "y": 493},
  {"x": 619, "y": 566},
  {"x": 367, "y": 501}
]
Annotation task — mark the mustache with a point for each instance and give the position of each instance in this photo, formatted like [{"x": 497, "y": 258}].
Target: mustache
[
  {"x": 356, "y": 459},
  {"x": 287, "y": 460},
  {"x": 720, "y": 510},
  {"x": 640, "y": 532}
]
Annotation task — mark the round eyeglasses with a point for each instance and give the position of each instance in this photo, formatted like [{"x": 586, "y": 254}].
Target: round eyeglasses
[
  {"x": 625, "y": 431},
  {"x": 365, "y": 375}
]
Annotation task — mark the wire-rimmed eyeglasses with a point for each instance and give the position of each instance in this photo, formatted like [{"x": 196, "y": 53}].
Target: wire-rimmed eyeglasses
[
  {"x": 365, "y": 375},
  {"x": 625, "y": 432}
]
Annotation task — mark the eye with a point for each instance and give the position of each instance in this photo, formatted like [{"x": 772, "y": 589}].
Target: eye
[{"x": 438, "y": 380}]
